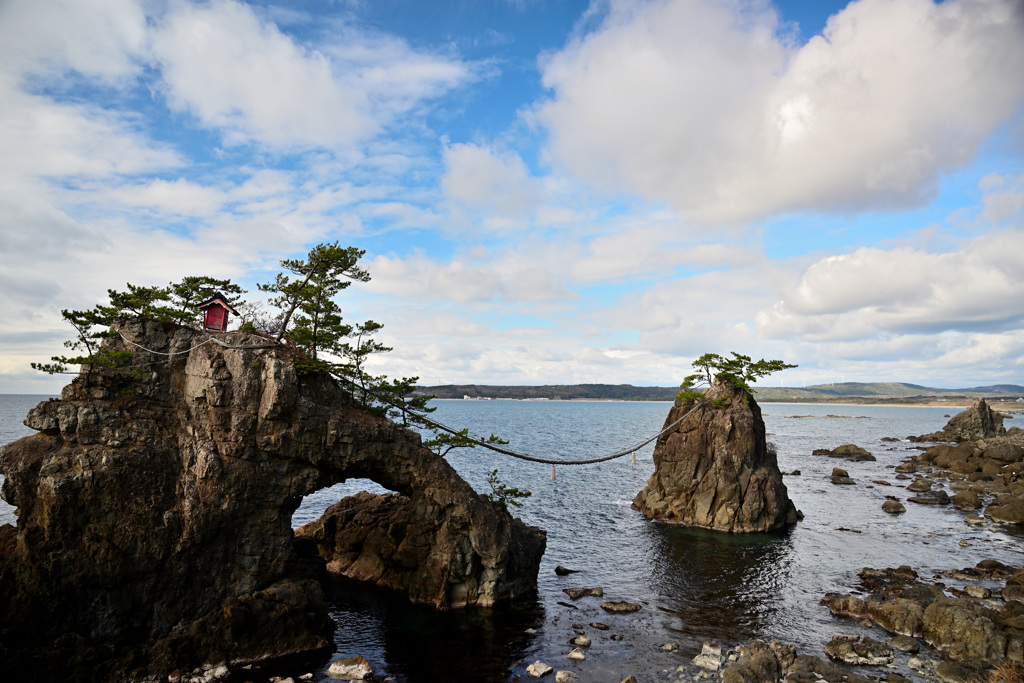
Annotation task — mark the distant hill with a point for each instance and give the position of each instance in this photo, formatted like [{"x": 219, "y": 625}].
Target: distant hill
[{"x": 868, "y": 392}]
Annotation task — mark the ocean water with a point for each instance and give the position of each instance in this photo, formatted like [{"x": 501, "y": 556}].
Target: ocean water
[{"x": 693, "y": 585}]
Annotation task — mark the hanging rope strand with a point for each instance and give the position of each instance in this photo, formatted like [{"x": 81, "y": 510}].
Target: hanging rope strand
[{"x": 438, "y": 425}]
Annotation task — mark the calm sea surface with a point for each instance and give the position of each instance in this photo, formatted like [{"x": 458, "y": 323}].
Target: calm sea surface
[{"x": 693, "y": 585}]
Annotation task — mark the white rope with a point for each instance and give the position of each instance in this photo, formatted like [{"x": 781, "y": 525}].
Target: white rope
[{"x": 438, "y": 425}]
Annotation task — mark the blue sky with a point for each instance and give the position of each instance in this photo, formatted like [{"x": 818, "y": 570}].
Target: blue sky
[{"x": 547, "y": 192}]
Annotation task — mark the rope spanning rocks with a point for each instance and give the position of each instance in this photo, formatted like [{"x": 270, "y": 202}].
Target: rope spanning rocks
[
  {"x": 154, "y": 515},
  {"x": 715, "y": 470}
]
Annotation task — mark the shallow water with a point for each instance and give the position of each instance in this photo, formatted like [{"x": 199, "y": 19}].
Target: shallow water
[{"x": 693, "y": 585}]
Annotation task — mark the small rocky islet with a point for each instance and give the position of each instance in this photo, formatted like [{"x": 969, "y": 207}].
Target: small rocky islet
[{"x": 218, "y": 425}]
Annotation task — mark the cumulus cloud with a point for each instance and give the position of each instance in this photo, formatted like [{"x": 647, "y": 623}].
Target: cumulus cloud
[
  {"x": 494, "y": 187},
  {"x": 476, "y": 277},
  {"x": 874, "y": 291},
  {"x": 245, "y": 77},
  {"x": 709, "y": 106},
  {"x": 103, "y": 39}
]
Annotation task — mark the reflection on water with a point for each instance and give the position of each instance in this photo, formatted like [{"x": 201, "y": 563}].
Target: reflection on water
[
  {"x": 421, "y": 644},
  {"x": 720, "y": 586}
]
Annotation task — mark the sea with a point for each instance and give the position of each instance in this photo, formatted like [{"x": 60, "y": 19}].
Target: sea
[{"x": 693, "y": 585}]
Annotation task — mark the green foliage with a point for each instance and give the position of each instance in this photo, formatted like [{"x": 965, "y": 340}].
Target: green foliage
[
  {"x": 505, "y": 495},
  {"x": 309, "y": 297},
  {"x": 92, "y": 326},
  {"x": 443, "y": 442},
  {"x": 739, "y": 371},
  {"x": 402, "y": 404}
]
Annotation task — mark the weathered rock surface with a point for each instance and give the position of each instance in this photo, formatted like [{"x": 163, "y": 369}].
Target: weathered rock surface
[
  {"x": 977, "y": 422},
  {"x": 961, "y": 628},
  {"x": 154, "y": 515},
  {"x": 715, "y": 470},
  {"x": 851, "y": 452}
]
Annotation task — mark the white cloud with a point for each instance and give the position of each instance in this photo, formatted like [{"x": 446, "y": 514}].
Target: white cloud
[
  {"x": 514, "y": 276},
  {"x": 103, "y": 39},
  {"x": 875, "y": 291},
  {"x": 703, "y": 105},
  {"x": 246, "y": 77}
]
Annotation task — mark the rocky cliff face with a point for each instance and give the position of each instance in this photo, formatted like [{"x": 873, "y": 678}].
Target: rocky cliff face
[
  {"x": 715, "y": 470},
  {"x": 154, "y": 515}
]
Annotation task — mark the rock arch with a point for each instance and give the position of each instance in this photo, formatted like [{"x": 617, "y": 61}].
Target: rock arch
[{"x": 155, "y": 506}]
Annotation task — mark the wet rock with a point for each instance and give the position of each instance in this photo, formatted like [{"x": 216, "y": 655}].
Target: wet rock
[
  {"x": 893, "y": 507},
  {"x": 351, "y": 669},
  {"x": 957, "y": 672},
  {"x": 629, "y": 679},
  {"x": 967, "y": 500},
  {"x": 975, "y": 520},
  {"x": 564, "y": 676},
  {"x": 756, "y": 663},
  {"x": 841, "y": 477},
  {"x": 979, "y": 592},
  {"x": 902, "y": 477},
  {"x": 576, "y": 654},
  {"x": 903, "y": 616},
  {"x": 538, "y": 669},
  {"x": 920, "y": 485},
  {"x": 808, "y": 669},
  {"x": 620, "y": 607},
  {"x": 599, "y": 626},
  {"x": 670, "y": 647},
  {"x": 710, "y": 657},
  {"x": 845, "y": 605},
  {"x": 715, "y": 470},
  {"x": 880, "y": 482},
  {"x": 963, "y": 629},
  {"x": 904, "y": 644},
  {"x": 890, "y": 439},
  {"x": 562, "y": 571},
  {"x": 577, "y": 593},
  {"x": 906, "y": 468},
  {"x": 581, "y": 641},
  {"x": 930, "y": 498},
  {"x": 1007, "y": 511},
  {"x": 851, "y": 452},
  {"x": 867, "y": 652}
]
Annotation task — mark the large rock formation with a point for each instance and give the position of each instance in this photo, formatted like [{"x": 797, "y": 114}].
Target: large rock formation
[
  {"x": 715, "y": 470},
  {"x": 977, "y": 422},
  {"x": 154, "y": 515}
]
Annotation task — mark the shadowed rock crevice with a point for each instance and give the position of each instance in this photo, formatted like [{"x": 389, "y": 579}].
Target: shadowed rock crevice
[
  {"x": 716, "y": 471},
  {"x": 154, "y": 514}
]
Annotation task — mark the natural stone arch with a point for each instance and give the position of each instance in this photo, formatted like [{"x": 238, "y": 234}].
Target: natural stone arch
[{"x": 155, "y": 512}]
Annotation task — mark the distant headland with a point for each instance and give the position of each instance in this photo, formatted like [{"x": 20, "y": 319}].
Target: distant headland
[{"x": 1008, "y": 396}]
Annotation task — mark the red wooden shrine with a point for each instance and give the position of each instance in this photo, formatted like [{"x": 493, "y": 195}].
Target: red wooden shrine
[{"x": 216, "y": 309}]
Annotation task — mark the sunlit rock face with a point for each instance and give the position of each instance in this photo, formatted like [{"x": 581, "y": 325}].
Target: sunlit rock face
[
  {"x": 154, "y": 514},
  {"x": 715, "y": 470}
]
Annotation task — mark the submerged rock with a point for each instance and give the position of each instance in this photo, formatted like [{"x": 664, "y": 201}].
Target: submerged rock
[
  {"x": 620, "y": 607},
  {"x": 715, "y": 470},
  {"x": 893, "y": 507},
  {"x": 154, "y": 514}
]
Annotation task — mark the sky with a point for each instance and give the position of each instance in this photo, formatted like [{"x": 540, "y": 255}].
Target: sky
[{"x": 547, "y": 192}]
